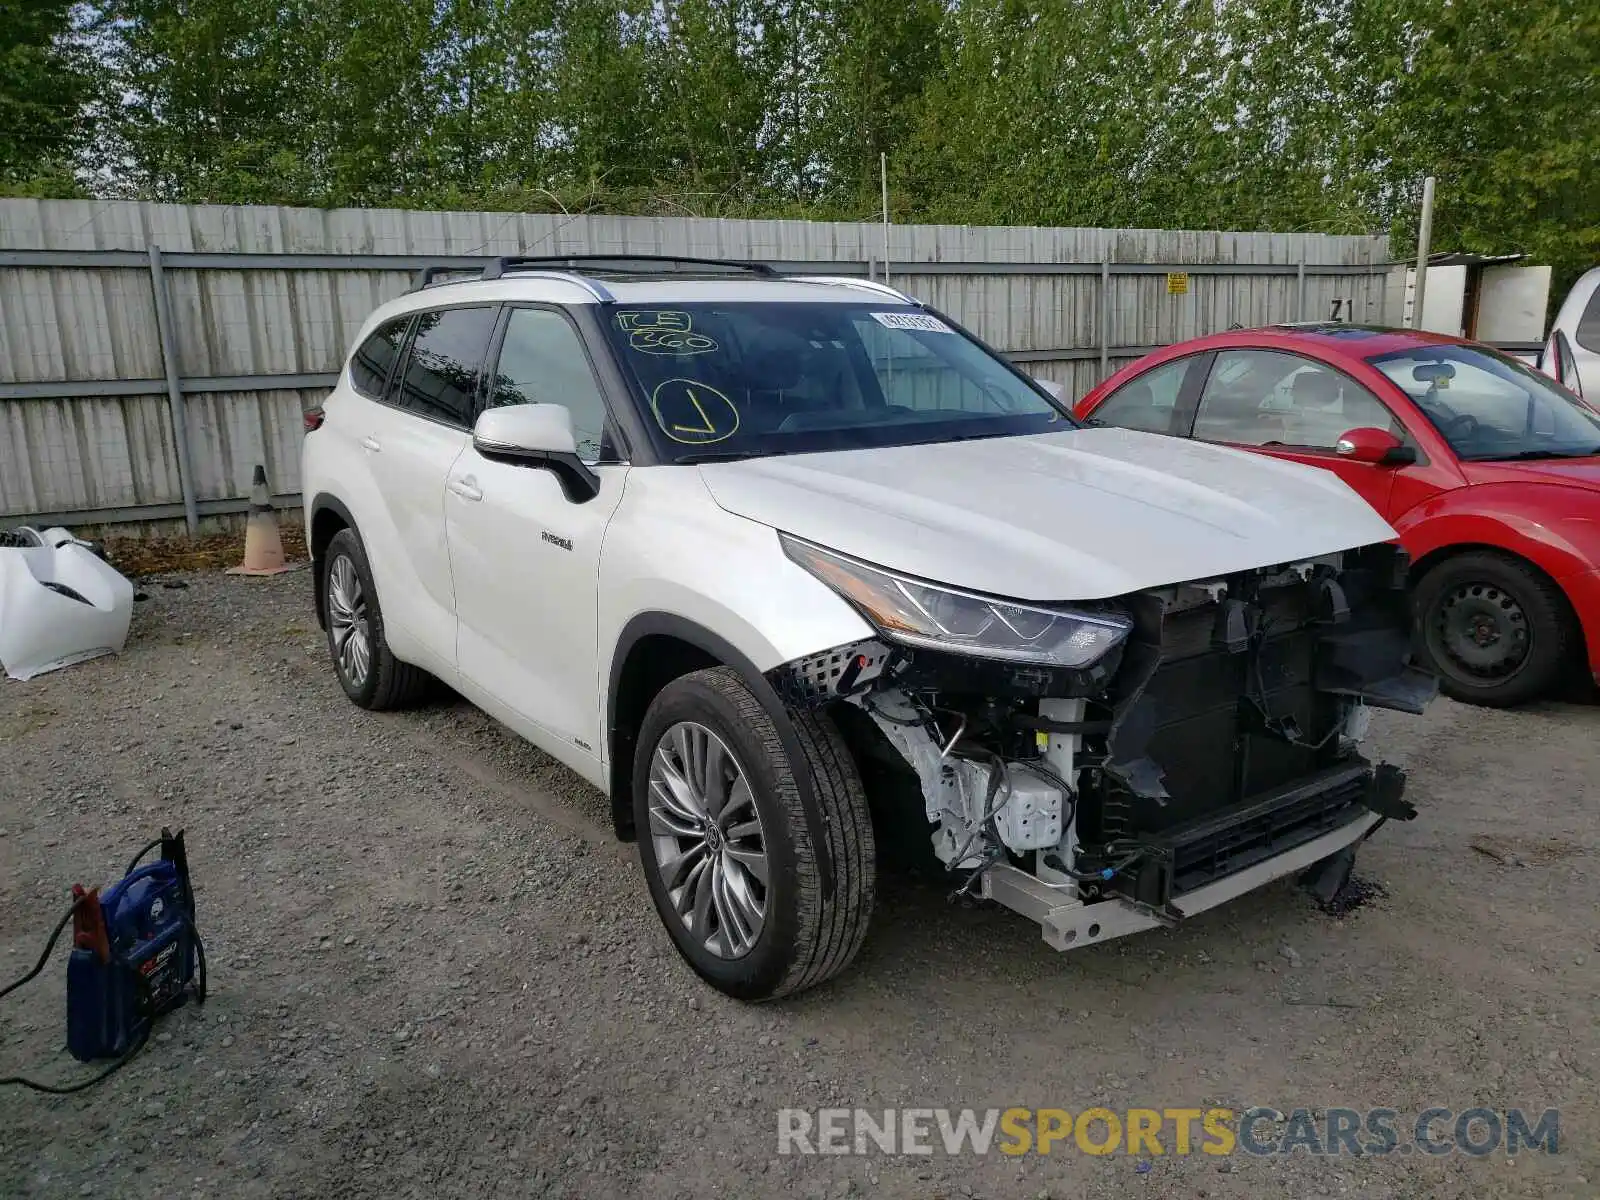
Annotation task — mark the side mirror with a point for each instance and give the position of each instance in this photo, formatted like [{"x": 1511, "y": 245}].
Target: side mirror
[
  {"x": 1376, "y": 446},
  {"x": 536, "y": 435},
  {"x": 1055, "y": 389}
]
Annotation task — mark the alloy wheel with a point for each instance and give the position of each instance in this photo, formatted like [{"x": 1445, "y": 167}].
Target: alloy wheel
[
  {"x": 348, "y": 630},
  {"x": 710, "y": 850}
]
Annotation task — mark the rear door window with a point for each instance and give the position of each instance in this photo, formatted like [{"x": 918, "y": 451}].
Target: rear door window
[
  {"x": 445, "y": 364},
  {"x": 374, "y": 358}
]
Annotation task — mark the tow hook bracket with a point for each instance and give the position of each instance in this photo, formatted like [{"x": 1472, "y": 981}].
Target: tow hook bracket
[
  {"x": 1326, "y": 879},
  {"x": 1385, "y": 794}
]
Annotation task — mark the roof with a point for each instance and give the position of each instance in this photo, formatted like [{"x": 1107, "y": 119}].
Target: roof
[
  {"x": 1361, "y": 341},
  {"x": 1364, "y": 340},
  {"x": 568, "y": 287},
  {"x": 565, "y": 288},
  {"x": 641, "y": 278}
]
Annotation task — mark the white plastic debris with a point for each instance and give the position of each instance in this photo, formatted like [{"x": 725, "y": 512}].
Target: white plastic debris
[{"x": 60, "y": 602}]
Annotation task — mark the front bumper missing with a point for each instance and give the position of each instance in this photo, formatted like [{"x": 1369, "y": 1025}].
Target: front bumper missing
[
  {"x": 1068, "y": 923},
  {"x": 1185, "y": 857}
]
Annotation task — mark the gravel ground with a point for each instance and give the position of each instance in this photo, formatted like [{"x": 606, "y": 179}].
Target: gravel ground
[{"x": 435, "y": 973}]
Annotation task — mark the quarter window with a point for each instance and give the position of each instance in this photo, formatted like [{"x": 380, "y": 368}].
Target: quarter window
[
  {"x": 1148, "y": 401},
  {"x": 542, "y": 362},
  {"x": 442, "y": 371},
  {"x": 374, "y": 358},
  {"x": 1267, "y": 398}
]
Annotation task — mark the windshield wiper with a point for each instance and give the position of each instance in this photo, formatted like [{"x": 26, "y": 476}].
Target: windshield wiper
[
  {"x": 715, "y": 456},
  {"x": 1523, "y": 455},
  {"x": 711, "y": 456}
]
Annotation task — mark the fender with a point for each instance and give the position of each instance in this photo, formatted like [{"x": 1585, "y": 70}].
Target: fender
[
  {"x": 647, "y": 624},
  {"x": 1515, "y": 517},
  {"x": 323, "y": 503}
]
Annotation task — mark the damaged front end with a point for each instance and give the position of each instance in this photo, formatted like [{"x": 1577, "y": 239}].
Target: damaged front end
[{"x": 1147, "y": 758}]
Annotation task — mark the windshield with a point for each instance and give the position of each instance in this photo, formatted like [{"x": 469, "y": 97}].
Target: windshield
[
  {"x": 1490, "y": 407},
  {"x": 738, "y": 380}
]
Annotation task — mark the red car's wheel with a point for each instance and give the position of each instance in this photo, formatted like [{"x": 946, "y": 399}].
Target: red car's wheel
[{"x": 1498, "y": 631}]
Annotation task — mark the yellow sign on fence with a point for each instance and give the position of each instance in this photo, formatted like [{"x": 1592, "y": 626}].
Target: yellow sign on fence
[{"x": 1177, "y": 283}]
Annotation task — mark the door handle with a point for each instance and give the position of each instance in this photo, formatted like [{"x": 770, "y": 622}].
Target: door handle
[
  {"x": 467, "y": 488},
  {"x": 370, "y": 443}
]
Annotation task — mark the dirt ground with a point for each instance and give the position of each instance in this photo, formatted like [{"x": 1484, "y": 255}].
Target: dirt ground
[{"x": 435, "y": 974}]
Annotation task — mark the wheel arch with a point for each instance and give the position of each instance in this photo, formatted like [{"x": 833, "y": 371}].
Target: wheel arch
[
  {"x": 652, "y": 650},
  {"x": 325, "y": 516},
  {"x": 1442, "y": 554}
]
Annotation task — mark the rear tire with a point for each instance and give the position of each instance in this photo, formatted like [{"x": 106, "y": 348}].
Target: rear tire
[
  {"x": 367, "y": 670},
  {"x": 1494, "y": 628},
  {"x": 709, "y": 755}
]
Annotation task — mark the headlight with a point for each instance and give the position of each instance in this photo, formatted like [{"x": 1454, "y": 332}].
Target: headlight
[{"x": 915, "y": 613}]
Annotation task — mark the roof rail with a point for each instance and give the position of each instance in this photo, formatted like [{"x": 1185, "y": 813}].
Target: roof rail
[
  {"x": 621, "y": 264},
  {"x": 428, "y": 275},
  {"x": 854, "y": 281}
]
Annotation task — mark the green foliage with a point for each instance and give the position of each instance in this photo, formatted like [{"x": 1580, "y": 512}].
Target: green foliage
[
  {"x": 1316, "y": 115},
  {"x": 1502, "y": 104},
  {"x": 47, "y": 88}
]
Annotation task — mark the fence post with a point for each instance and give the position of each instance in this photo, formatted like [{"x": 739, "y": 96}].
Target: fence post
[
  {"x": 1424, "y": 239},
  {"x": 1105, "y": 316},
  {"x": 1300, "y": 287},
  {"x": 169, "y": 360}
]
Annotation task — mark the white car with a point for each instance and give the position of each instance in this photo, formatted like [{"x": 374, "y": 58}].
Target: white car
[
  {"x": 800, "y": 573},
  {"x": 1572, "y": 352}
]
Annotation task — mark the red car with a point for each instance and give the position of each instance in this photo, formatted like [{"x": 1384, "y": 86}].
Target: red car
[{"x": 1489, "y": 472}]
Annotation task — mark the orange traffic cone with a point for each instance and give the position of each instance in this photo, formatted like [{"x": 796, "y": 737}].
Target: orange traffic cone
[{"x": 263, "y": 548}]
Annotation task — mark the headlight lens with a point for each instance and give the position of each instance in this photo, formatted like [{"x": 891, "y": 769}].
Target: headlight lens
[{"x": 922, "y": 614}]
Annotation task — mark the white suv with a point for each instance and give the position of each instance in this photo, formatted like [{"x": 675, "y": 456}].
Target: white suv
[{"x": 805, "y": 577}]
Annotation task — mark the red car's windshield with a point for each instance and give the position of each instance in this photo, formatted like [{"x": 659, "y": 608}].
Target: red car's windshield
[{"x": 1489, "y": 407}]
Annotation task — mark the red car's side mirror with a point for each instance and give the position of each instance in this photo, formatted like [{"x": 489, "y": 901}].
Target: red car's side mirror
[{"x": 1376, "y": 446}]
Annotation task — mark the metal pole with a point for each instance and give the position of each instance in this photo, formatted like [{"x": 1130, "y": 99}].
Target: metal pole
[
  {"x": 883, "y": 174},
  {"x": 1105, "y": 315},
  {"x": 1424, "y": 238},
  {"x": 169, "y": 359}
]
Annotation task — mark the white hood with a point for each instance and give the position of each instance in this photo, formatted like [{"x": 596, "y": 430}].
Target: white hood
[{"x": 1077, "y": 515}]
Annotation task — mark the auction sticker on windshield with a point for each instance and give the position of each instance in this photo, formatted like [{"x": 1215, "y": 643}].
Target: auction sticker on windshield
[{"x": 906, "y": 320}]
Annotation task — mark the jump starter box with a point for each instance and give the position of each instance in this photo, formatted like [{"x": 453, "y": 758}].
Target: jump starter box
[{"x": 134, "y": 953}]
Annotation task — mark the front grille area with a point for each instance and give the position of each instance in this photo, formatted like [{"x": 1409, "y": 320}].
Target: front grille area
[
  {"x": 1246, "y": 745},
  {"x": 1231, "y": 840},
  {"x": 1189, "y": 856},
  {"x": 1205, "y": 733}
]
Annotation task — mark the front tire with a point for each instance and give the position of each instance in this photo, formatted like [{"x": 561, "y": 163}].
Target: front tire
[
  {"x": 1495, "y": 629},
  {"x": 368, "y": 671},
  {"x": 726, "y": 848}
]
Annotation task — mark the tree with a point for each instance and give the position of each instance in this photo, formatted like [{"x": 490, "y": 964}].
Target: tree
[
  {"x": 1500, "y": 100},
  {"x": 875, "y": 64},
  {"x": 1261, "y": 114},
  {"x": 48, "y": 85}
]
